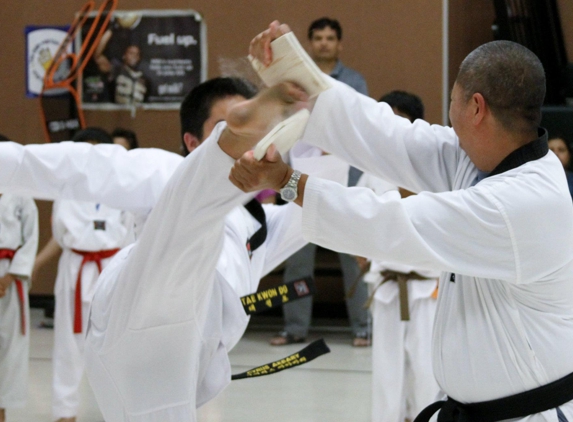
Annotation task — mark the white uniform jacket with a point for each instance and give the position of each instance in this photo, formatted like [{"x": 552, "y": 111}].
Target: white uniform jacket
[
  {"x": 386, "y": 293},
  {"x": 88, "y": 226},
  {"x": 505, "y": 321},
  {"x": 19, "y": 232}
]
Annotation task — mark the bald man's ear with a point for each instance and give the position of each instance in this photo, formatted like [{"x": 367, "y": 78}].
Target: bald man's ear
[
  {"x": 191, "y": 141},
  {"x": 479, "y": 108}
]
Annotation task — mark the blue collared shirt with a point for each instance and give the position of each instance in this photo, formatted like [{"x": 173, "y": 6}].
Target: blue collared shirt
[{"x": 350, "y": 77}]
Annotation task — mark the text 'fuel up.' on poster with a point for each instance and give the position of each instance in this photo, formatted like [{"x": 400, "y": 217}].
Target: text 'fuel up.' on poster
[{"x": 146, "y": 58}]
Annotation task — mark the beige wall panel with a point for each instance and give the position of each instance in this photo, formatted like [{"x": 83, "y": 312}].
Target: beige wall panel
[{"x": 396, "y": 44}]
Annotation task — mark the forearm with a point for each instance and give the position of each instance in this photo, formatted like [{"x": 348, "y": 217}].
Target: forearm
[
  {"x": 50, "y": 251},
  {"x": 411, "y": 231},
  {"x": 106, "y": 174},
  {"x": 369, "y": 136}
]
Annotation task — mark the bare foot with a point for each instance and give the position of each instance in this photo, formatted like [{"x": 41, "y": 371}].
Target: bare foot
[{"x": 249, "y": 121}]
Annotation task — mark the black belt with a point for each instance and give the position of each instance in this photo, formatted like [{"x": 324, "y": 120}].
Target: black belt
[{"x": 540, "y": 399}]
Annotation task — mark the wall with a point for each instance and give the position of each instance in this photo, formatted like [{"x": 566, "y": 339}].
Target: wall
[
  {"x": 566, "y": 12},
  {"x": 469, "y": 27},
  {"x": 391, "y": 51}
]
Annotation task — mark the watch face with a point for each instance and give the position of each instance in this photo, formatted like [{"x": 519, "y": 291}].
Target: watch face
[{"x": 288, "y": 194}]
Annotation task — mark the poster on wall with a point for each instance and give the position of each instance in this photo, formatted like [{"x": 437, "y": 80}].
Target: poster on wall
[
  {"x": 146, "y": 58},
  {"x": 42, "y": 42}
]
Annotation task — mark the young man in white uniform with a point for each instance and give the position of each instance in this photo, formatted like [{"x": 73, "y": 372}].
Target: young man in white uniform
[
  {"x": 495, "y": 215},
  {"x": 18, "y": 247},
  {"x": 167, "y": 309}
]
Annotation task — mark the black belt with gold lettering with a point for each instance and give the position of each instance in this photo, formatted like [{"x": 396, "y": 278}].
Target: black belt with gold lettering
[
  {"x": 540, "y": 399},
  {"x": 278, "y": 296},
  {"x": 310, "y": 352}
]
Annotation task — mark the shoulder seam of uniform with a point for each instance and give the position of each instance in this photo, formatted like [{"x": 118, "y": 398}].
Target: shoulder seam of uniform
[{"x": 511, "y": 232}]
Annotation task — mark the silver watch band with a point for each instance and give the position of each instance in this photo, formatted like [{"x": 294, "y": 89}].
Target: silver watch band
[{"x": 294, "y": 178}]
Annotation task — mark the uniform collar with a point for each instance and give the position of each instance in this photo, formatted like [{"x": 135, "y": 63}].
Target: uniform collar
[
  {"x": 337, "y": 69},
  {"x": 258, "y": 238},
  {"x": 529, "y": 152}
]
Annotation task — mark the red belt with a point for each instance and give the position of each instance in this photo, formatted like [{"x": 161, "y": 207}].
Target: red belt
[
  {"x": 88, "y": 257},
  {"x": 9, "y": 254}
]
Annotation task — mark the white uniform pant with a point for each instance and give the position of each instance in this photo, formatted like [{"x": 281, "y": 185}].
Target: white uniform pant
[
  {"x": 403, "y": 381},
  {"x": 14, "y": 349},
  {"x": 68, "y": 356}
]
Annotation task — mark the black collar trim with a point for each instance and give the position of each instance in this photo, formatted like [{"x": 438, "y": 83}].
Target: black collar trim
[
  {"x": 258, "y": 238},
  {"x": 529, "y": 152}
]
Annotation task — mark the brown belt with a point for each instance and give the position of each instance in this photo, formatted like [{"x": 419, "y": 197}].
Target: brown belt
[{"x": 401, "y": 279}]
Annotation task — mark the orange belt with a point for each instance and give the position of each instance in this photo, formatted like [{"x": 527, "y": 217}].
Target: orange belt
[
  {"x": 88, "y": 257},
  {"x": 9, "y": 254}
]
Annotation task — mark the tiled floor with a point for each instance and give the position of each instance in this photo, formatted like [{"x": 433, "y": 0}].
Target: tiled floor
[{"x": 335, "y": 387}]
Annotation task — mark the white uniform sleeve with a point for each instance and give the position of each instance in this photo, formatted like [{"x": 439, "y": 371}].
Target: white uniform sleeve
[
  {"x": 461, "y": 231},
  {"x": 416, "y": 156},
  {"x": 23, "y": 261},
  {"x": 58, "y": 229},
  {"x": 109, "y": 174},
  {"x": 284, "y": 228},
  {"x": 171, "y": 269}
]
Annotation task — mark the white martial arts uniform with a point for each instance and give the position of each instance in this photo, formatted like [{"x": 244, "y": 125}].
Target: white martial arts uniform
[
  {"x": 504, "y": 322},
  {"x": 172, "y": 288},
  {"x": 89, "y": 235},
  {"x": 180, "y": 287},
  {"x": 403, "y": 382},
  {"x": 19, "y": 234}
]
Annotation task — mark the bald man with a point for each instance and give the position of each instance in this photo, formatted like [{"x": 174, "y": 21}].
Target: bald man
[{"x": 493, "y": 214}]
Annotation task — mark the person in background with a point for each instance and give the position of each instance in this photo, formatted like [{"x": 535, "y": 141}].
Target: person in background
[
  {"x": 403, "y": 306},
  {"x": 89, "y": 235},
  {"x": 124, "y": 137},
  {"x": 404, "y": 104},
  {"x": 18, "y": 247},
  {"x": 325, "y": 45},
  {"x": 562, "y": 149}
]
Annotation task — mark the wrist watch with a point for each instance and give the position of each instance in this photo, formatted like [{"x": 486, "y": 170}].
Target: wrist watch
[{"x": 290, "y": 191}]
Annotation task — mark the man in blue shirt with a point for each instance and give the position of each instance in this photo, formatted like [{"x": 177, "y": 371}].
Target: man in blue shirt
[{"x": 325, "y": 38}]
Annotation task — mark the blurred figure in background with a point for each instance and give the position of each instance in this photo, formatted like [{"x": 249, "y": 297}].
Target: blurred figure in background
[
  {"x": 126, "y": 138},
  {"x": 18, "y": 247},
  {"x": 562, "y": 148},
  {"x": 403, "y": 306},
  {"x": 89, "y": 235}
]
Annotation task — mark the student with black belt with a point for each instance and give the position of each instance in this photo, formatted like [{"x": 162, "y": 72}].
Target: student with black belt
[{"x": 493, "y": 204}]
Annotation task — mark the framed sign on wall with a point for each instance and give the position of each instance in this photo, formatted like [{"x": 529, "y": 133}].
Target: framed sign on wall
[{"x": 146, "y": 58}]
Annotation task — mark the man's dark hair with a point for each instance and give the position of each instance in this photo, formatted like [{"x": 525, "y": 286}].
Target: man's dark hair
[
  {"x": 323, "y": 23},
  {"x": 409, "y": 104},
  {"x": 4, "y": 138},
  {"x": 93, "y": 134},
  {"x": 196, "y": 107},
  {"x": 511, "y": 79},
  {"x": 129, "y": 135}
]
